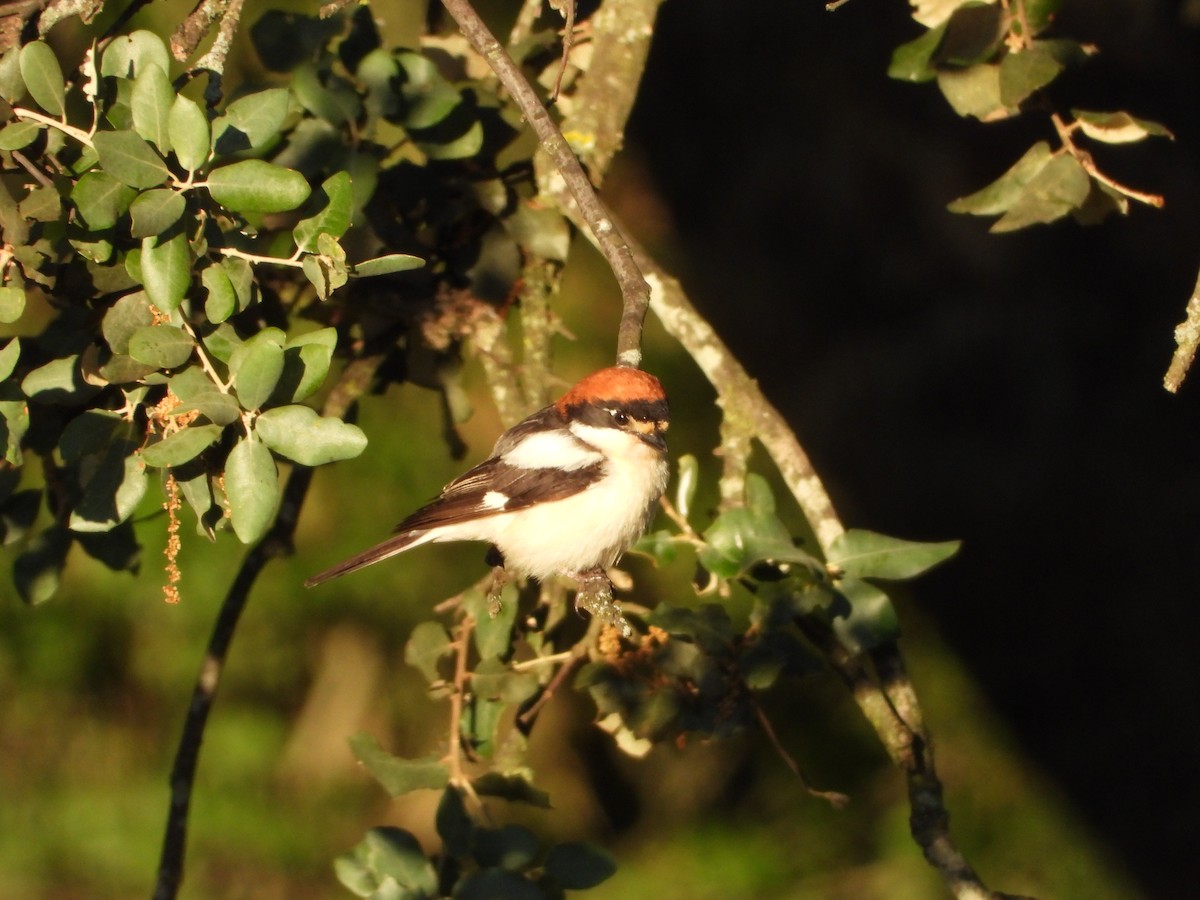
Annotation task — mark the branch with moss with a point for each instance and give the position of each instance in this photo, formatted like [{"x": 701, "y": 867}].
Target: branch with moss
[
  {"x": 887, "y": 698},
  {"x": 635, "y": 292}
]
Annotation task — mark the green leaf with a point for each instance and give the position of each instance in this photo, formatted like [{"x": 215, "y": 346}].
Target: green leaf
[
  {"x": 19, "y": 135},
  {"x": 251, "y": 121},
  {"x": 299, "y": 434},
  {"x": 166, "y": 270},
  {"x": 241, "y": 276},
  {"x": 1118, "y": 127},
  {"x": 399, "y": 776},
  {"x": 335, "y": 199},
  {"x": 221, "y": 302},
  {"x": 1060, "y": 187},
  {"x": 385, "y": 265},
  {"x": 256, "y": 366},
  {"x": 251, "y": 486},
  {"x": 578, "y": 866},
  {"x": 327, "y": 270},
  {"x": 865, "y": 554},
  {"x": 872, "y": 619},
  {"x": 184, "y": 445},
  {"x": 161, "y": 346},
  {"x": 9, "y": 355},
  {"x": 513, "y": 787},
  {"x": 914, "y": 61},
  {"x": 1026, "y": 71},
  {"x": 12, "y": 86},
  {"x": 12, "y": 305},
  {"x": 101, "y": 199},
  {"x": 254, "y": 186},
  {"x": 973, "y": 34},
  {"x": 38, "y": 569},
  {"x": 59, "y": 382},
  {"x": 388, "y": 864},
  {"x": 42, "y": 204},
  {"x": 43, "y": 77},
  {"x": 112, "y": 491},
  {"x": 153, "y": 97},
  {"x": 155, "y": 211},
  {"x": 1002, "y": 193},
  {"x": 974, "y": 91},
  {"x": 743, "y": 537},
  {"x": 129, "y": 159},
  {"x": 129, "y": 54},
  {"x": 493, "y": 634},
  {"x": 426, "y": 646},
  {"x": 306, "y": 362},
  {"x": 686, "y": 483},
  {"x": 125, "y": 317},
  {"x": 116, "y": 548},
  {"x": 188, "y": 128}
]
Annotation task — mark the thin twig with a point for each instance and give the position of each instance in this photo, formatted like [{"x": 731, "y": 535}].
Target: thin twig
[
  {"x": 835, "y": 799},
  {"x": 1187, "y": 338},
  {"x": 354, "y": 381},
  {"x": 1065, "y": 131},
  {"x": 635, "y": 293},
  {"x": 576, "y": 655},
  {"x": 462, "y": 676}
]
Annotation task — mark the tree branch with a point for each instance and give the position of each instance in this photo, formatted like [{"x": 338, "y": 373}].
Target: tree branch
[
  {"x": 354, "y": 381},
  {"x": 1187, "y": 338},
  {"x": 635, "y": 293}
]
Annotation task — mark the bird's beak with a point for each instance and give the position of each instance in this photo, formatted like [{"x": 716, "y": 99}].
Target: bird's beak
[{"x": 652, "y": 433}]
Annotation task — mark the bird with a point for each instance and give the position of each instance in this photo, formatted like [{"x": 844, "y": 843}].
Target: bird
[{"x": 565, "y": 491}]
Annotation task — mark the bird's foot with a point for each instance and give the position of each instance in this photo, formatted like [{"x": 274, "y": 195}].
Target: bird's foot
[{"x": 595, "y": 595}]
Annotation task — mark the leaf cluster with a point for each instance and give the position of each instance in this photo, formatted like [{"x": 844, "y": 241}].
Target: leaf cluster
[
  {"x": 991, "y": 61},
  {"x": 477, "y": 862},
  {"x": 179, "y": 280}
]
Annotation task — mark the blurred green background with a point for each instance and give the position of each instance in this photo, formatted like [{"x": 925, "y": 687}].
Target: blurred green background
[{"x": 792, "y": 205}]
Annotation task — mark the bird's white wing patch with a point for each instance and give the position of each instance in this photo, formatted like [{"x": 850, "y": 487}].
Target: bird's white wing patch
[
  {"x": 551, "y": 449},
  {"x": 494, "y": 500}
]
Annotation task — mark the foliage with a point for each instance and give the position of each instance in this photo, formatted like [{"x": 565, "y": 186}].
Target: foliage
[{"x": 991, "y": 61}]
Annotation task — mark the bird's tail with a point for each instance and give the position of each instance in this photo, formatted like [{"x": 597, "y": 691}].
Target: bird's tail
[{"x": 398, "y": 543}]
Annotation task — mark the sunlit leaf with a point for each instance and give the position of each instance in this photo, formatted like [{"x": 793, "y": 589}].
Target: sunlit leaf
[
  {"x": 12, "y": 305},
  {"x": 189, "y": 132},
  {"x": 125, "y": 317},
  {"x": 385, "y": 265},
  {"x": 1117, "y": 127},
  {"x": 255, "y": 186},
  {"x": 1058, "y": 189},
  {"x": 166, "y": 270},
  {"x": 426, "y": 646},
  {"x": 59, "y": 381},
  {"x": 161, "y": 346},
  {"x": 865, "y": 554},
  {"x": 185, "y": 444},
  {"x": 127, "y": 157},
  {"x": 153, "y": 97},
  {"x": 43, "y": 77},
  {"x": 18, "y": 135},
  {"x": 974, "y": 91},
  {"x": 335, "y": 197},
  {"x": 398, "y": 776},
  {"x": 154, "y": 211},
  {"x": 256, "y": 367},
  {"x": 1004, "y": 191},
  {"x": 101, "y": 199},
  {"x": 221, "y": 300},
  {"x": 251, "y": 484},
  {"x": 300, "y": 434},
  {"x": 129, "y": 54},
  {"x": 251, "y": 121}
]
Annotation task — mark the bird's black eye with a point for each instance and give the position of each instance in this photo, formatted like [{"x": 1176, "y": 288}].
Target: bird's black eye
[{"x": 619, "y": 417}]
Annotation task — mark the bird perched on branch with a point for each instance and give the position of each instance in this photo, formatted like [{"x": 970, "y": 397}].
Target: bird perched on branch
[{"x": 565, "y": 491}]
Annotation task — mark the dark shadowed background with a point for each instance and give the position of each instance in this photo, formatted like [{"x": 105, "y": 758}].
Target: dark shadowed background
[{"x": 950, "y": 383}]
